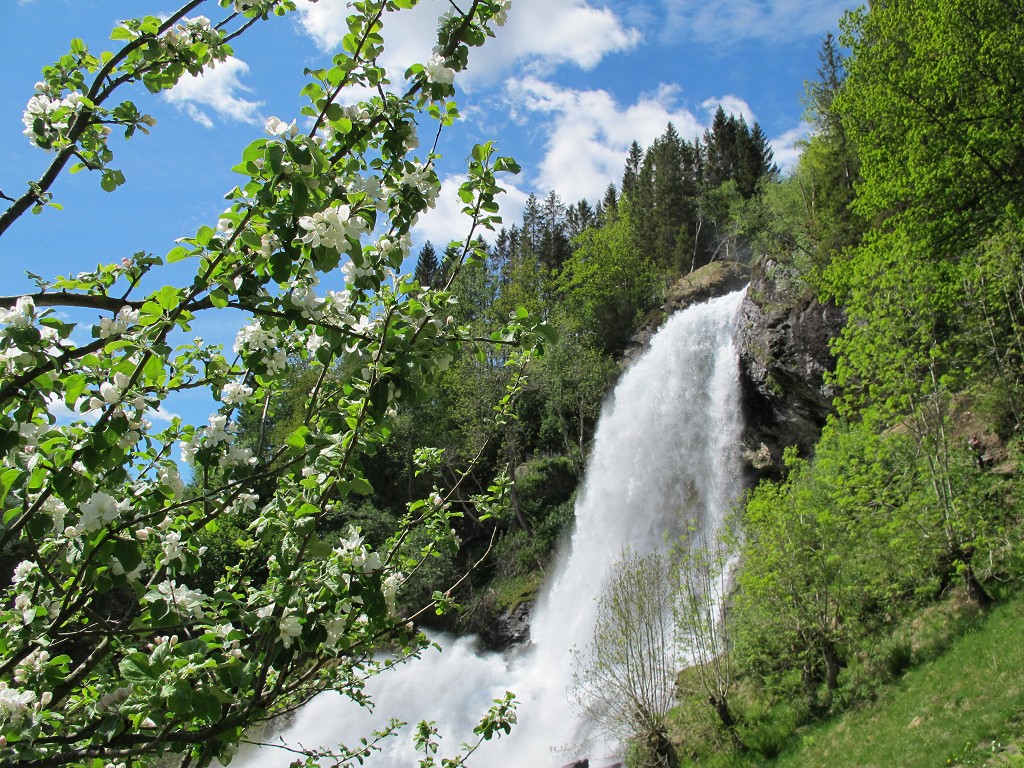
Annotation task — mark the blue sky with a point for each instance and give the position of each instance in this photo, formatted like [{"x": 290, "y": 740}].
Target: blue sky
[{"x": 565, "y": 88}]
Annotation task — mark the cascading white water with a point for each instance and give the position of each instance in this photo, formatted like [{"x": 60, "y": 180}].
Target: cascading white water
[{"x": 665, "y": 457}]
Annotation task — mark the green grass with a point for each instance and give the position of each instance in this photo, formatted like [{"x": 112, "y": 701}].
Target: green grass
[
  {"x": 511, "y": 592},
  {"x": 958, "y": 710}
]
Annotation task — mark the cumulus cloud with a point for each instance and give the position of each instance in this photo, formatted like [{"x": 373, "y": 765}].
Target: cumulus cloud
[
  {"x": 446, "y": 221},
  {"x": 726, "y": 21},
  {"x": 539, "y": 33},
  {"x": 732, "y": 105},
  {"x": 587, "y": 133},
  {"x": 787, "y": 147},
  {"x": 64, "y": 415},
  {"x": 217, "y": 90}
]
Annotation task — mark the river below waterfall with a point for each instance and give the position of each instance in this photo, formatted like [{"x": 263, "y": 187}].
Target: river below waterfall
[{"x": 665, "y": 459}]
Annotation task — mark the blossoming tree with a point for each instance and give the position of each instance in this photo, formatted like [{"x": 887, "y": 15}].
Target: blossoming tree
[{"x": 110, "y": 655}]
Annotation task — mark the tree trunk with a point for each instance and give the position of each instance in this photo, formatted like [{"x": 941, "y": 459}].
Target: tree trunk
[
  {"x": 721, "y": 707},
  {"x": 976, "y": 591},
  {"x": 833, "y": 664}
]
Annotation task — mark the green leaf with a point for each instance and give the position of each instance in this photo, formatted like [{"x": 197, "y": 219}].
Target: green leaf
[
  {"x": 136, "y": 669},
  {"x": 128, "y": 553},
  {"x": 74, "y": 385},
  {"x": 167, "y": 297},
  {"x": 219, "y": 297},
  {"x": 177, "y": 253},
  {"x": 361, "y": 486},
  {"x": 297, "y": 439}
]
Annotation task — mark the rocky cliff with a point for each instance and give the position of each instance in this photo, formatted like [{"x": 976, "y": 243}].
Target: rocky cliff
[
  {"x": 784, "y": 338},
  {"x": 715, "y": 279},
  {"x": 784, "y": 353}
]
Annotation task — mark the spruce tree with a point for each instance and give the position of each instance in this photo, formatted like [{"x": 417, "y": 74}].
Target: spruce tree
[
  {"x": 630, "y": 174},
  {"x": 427, "y": 267},
  {"x": 554, "y": 242},
  {"x": 671, "y": 205}
]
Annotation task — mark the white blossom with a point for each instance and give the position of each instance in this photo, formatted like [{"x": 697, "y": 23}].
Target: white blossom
[
  {"x": 235, "y": 393},
  {"x": 336, "y": 627},
  {"x": 15, "y": 704},
  {"x": 23, "y": 570},
  {"x": 367, "y": 561},
  {"x": 237, "y": 456},
  {"x": 31, "y": 666},
  {"x": 110, "y": 392},
  {"x": 125, "y": 318},
  {"x": 275, "y": 126},
  {"x": 277, "y": 361},
  {"x": 198, "y": 30},
  {"x": 186, "y": 602},
  {"x": 220, "y": 430},
  {"x": 305, "y": 298},
  {"x": 41, "y": 106},
  {"x": 254, "y": 338},
  {"x": 269, "y": 243},
  {"x": 423, "y": 180},
  {"x": 501, "y": 14},
  {"x": 331, "y": 227},
  {"x": 20, "y": 315},
  {"x": 172, "y": 547},
  {"x": 23, "y": 604},
  {"x": 169, "y": 477},
  {"x": 101, "y": 509},
  {"x": 437, "y": 72},
  {"x": 290, "y": 628},
  {"x": 390, "y": 588},
  {"x": 188, "y": 450},
  {"x": 314, "y": 342},
  {"x": 244, "y": 502},
  {"x": 351, "y": 543}
]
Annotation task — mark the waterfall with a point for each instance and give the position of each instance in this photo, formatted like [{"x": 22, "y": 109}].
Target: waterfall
[{"x": 665, "y": 458}]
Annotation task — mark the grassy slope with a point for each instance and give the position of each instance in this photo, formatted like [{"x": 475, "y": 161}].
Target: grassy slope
[{"x": 952, "y": 711}]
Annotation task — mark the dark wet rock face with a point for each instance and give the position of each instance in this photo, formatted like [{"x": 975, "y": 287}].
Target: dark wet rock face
[
  {"x": 509, "y": 628},
  {"x": 784, "y": 336}
]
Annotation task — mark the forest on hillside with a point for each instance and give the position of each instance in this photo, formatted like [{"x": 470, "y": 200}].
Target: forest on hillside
[{"x": 437, "y": 424}]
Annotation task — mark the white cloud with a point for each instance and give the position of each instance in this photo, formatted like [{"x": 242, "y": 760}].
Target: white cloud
[
  {"x": 218, "y": 90},
  {"x": 64, "y": 415},
  {"x": 446, "y": 221},
  {"x": 731, "y": 105},
  {"x": 587, "y": 133},
  {"x": 727, "y": 21},
  {"x": 787, "y": 147},
  {"x": 539, "y": 33}
]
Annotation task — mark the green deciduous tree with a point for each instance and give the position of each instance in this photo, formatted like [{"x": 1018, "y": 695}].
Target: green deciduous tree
[
  {"x": 110, "y": 649},
  {"x": 826, "y": 553},
  {"x": 625, "y": 678},
  {"x": 607, "y": 282}
]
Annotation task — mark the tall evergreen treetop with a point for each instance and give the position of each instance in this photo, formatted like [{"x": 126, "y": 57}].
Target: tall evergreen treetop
[{"x": 428, "y": 268}]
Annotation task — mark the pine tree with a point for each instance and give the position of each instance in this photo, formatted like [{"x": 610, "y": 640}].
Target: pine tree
[
  {"x": 530, "y": 234},
  {"x": 671, "y": 203},
  {"x": 755, "y": 159},
  {"x": 720, "y": 142},
  {"x": 579, "y": 218},
  {"x": 427, "y": 267},
  {"x": 554, "y": 242},
  {"x": 608, "y": 208},
  {"x": 630, "y": 176}
]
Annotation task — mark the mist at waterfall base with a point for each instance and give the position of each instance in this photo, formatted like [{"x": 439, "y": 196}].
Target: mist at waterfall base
[{"x": 665, "y": 458}]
